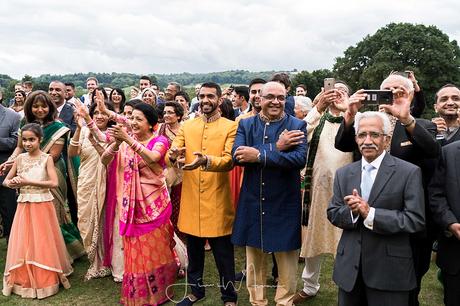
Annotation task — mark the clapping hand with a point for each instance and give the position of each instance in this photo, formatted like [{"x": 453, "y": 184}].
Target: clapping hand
[
  {"x": 200, "y": 160},
  {"x": 119, "y": 133},
  {"x": 78, "y": 119},
  {"x": 82, "y": 110},
  {"x": 357, "y": 204},
  {"x": 288, "y": 139}
]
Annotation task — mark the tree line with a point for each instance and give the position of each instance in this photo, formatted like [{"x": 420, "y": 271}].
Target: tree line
[{"x": 426, "y": 50}]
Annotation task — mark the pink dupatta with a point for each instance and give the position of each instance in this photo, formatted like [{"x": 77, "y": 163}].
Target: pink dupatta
[{"x": 145, "y": 203}]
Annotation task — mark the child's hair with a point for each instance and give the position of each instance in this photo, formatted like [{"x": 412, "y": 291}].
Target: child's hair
[{"x": 34, "y": 128}]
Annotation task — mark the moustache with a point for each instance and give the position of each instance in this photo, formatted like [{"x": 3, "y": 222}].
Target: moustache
[{"x": 368, "y": 146}]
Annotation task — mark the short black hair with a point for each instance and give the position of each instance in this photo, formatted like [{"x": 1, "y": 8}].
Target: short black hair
[
  {"x": 133, "y": 102},
  {"x": 149, "y": 112},
  {"x": 257, "y": 81},
  {"x": 183, "y": 94},
  {"x": 242, "y": 91},
  {"x": 445, "y": 86},
  {"x": 70, "y": 84},
  {"x": 144, "y": 77},
  {"x": 215, "y": 86},
  {"x": 283, "y": 78}
]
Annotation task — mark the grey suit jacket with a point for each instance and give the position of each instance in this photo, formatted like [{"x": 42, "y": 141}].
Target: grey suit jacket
[
  {"x": 384, "y": 253},
  {"x": 66, "y": 116},
  {"x": 9, "y": 126}
]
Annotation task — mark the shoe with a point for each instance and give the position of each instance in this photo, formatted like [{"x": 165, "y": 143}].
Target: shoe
[
  {"x": 301, "y": 297},
  {"x": 229, "y": 303},
  {"x": 189, "y": 300},
  {"x": 207, "y": 247},
  {"x": 240, "y": 276}
]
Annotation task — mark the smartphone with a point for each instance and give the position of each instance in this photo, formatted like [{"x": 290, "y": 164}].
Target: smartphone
[
  {"x": 377, "y": 97},
  {"x": 329, "y": 84}
]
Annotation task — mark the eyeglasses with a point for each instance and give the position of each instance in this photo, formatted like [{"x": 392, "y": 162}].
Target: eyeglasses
[
  {"x": 280, "y": 98},
  {"x": 374, "y": 135},
  {"x": 255, "y": 91},
  {"x": 169, "y": 113}
]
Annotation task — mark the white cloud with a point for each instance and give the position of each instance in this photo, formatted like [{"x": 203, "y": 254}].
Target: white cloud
[{"x": 52, "y": 36}]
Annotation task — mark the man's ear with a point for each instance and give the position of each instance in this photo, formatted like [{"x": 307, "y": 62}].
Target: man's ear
[{"x": 387, "y": 140}]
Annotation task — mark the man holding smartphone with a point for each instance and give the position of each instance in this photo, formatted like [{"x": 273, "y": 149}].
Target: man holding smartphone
[{"x": 412, "y": 140}]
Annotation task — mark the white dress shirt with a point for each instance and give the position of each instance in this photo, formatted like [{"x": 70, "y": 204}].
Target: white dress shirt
[{"x": 369, "y": 221}]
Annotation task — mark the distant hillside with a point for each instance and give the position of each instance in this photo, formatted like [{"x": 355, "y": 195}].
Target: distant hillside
[{"x": 115, "y": 79}]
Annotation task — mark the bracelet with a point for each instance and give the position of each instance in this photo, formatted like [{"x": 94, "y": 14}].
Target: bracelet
[
  {"x": 137, "y": 147},
  {"x": 111, "y": 151},
  {"x": 74, "y": 143},
  {"x": 408, "y": 124},
  {"x": 90, "y": 125}
]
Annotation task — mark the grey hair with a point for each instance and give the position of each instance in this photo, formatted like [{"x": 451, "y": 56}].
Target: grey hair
[
  {"x": 383, "y": 117},
  {"x": 406, "y": 83},
  {"x": 176, "y": 85},
  {"x": 303, "y": 102}
]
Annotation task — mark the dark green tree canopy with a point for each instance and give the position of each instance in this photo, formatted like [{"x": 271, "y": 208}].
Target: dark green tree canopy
[
  {"x": 402, "y": 46},
  {"x": 313, "y": 80}
]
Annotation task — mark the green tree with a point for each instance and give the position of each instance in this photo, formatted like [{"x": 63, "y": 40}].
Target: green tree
[
  {"x": 26, "y": 78},
  {"x": 313, "y": 80},
  {"x": 426, "y": 50}
]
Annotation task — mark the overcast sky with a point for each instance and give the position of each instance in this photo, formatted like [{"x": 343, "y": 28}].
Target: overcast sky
[{"x": 169, "y": 36}]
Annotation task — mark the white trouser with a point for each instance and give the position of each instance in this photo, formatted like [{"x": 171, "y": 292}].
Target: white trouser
[{"x": 310, "y": 275}]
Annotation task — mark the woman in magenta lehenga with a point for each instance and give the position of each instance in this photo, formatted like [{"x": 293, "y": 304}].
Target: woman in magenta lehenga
[{"x": 150, "y": 267}]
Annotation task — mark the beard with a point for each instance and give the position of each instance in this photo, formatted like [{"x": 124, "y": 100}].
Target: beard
[{"x": 210, "y": 108}]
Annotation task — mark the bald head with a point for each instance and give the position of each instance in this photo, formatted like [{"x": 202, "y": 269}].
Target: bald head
[
  {"x": 273, "y": 100},
  {"x": 394, "y": 81},
  {"x": 56, "y": 90},
  {"x": 272, "y": 85}
]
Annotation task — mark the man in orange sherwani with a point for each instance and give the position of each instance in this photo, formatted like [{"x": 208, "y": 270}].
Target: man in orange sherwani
[{"x": 203, "y": 146}]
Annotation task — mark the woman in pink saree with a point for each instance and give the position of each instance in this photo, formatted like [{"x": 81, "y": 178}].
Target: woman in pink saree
[{"x": 149, "y": 264}]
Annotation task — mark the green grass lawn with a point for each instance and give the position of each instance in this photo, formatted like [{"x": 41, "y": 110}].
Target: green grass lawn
[{"x": 105, "y": 292}]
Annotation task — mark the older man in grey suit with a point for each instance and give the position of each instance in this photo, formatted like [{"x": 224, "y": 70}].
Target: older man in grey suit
[
  {"x": 378, "y": 201},
  {"x": 9, "y": 125}
]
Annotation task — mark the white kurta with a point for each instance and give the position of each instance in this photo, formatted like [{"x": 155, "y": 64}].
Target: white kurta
[{"x": 320, "y": 236}]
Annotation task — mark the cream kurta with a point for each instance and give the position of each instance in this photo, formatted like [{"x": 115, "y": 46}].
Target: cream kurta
[
  {"x": 206, "y": 208},
  {"x": 321, "y": 237}
]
